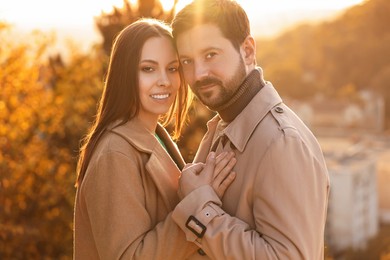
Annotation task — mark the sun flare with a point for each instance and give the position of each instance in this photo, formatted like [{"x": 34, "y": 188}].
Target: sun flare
[{"x": 53, "y": 14}]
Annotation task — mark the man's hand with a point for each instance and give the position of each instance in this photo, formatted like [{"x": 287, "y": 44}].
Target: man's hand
[{"x": 216, "y": 172}]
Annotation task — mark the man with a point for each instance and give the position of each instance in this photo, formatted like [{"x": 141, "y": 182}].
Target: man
[{"x": 276, "y": 206}]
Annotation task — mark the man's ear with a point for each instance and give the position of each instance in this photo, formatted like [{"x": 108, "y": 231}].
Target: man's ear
[{"x": 248, "y": 50}]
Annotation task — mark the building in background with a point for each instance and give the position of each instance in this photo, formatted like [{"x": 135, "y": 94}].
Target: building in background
[
  {"x": 383, "y": 176},
  {"x": 353, "y": 203},
  {"x": 357, "y": 152},
  {"x": 333, "y": 117}
]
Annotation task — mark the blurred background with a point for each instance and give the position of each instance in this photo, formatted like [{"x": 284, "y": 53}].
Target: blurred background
[{"x": 329, "y": 60}]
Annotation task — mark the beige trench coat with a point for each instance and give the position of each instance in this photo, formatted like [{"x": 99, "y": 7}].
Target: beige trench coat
[
  {"x": 276, "y": 207},
  {"x": 123, "y": 206}
]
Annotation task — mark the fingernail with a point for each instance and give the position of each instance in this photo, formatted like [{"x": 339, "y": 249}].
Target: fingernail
[{"x": 212, "y": 155}]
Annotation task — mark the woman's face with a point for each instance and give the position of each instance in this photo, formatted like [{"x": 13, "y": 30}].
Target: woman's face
[{"x": 159, "y": 78}]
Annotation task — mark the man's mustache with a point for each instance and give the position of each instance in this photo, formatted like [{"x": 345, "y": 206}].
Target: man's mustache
[{"x": 207, "y": 81}]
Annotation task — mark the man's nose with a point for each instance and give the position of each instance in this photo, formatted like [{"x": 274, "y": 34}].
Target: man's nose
[{"x": 201, "y": 71}]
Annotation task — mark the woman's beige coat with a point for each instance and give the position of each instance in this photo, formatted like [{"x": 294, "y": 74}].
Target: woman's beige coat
[{"x": 123, "y": 206}]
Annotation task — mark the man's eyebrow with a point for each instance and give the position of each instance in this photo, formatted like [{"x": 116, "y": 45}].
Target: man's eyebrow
[
  {"x": 205, "y": 50},
  {"x": 210, "y": 49},
  {"x": 183, "y": 57}
]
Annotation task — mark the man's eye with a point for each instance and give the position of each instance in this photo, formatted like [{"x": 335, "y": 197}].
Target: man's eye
[
  {"x": 147, "y": 69},
  {"x": 186, "y": 62},
  {"x": 210, "y": 55}
]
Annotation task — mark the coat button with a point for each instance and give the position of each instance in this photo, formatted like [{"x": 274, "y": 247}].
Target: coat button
[
  {"x": 279, "y": 110},
  {"x": 201, "y": 252}
]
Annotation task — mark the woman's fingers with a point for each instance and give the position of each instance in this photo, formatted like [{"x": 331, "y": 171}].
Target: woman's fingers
[
  {"x": 216, "y": 171},
  {"x": 222, "y": 162},
  {"x": 209, "y": 165},
  {"x": 220, "y": 157},
  {"x": 222, "y": 187},
  {"x": 187, "y": 166},
  {"x": 224, "y": 176},
  {"x": 225, "y": 171},
  {"x": 194, "y": 168}
]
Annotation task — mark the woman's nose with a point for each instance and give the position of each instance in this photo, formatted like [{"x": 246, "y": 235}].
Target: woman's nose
[{"x": 163, "y": 81}]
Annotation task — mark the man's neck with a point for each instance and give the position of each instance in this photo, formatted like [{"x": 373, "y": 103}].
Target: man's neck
[{"x": 247, "y": 90}]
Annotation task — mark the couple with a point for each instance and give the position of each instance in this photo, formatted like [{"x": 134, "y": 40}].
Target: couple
[{"x": 258, "y": 187}]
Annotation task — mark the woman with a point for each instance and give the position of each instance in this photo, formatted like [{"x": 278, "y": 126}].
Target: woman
[{"x": 129, "y": 167}]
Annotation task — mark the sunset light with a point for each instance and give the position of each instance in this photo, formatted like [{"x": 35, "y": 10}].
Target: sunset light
[
  {"x": 49, "y": 14},
  {"x": 76, "y": 19},
  {"x": 302, "y": 94}
]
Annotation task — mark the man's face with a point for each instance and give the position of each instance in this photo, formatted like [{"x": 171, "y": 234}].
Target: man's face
[{"x": 213, "y": 68}]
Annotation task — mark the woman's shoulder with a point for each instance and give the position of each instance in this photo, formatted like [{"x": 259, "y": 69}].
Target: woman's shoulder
[
  {"x": 111, "y": 142},
  {"x": 112, "y": 158},
  {"x": 134, "y": 133}
]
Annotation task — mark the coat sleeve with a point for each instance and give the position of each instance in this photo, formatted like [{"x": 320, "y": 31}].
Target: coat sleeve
[
  {"x": 289, "y": 208},
  {"x": 121, "y": 226}
]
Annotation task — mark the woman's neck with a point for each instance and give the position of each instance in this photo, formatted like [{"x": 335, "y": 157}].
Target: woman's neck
[{"x": 150, "y": 122}]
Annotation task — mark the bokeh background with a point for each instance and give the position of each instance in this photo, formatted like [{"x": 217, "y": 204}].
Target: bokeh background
[{"x": 330, "y": 64}]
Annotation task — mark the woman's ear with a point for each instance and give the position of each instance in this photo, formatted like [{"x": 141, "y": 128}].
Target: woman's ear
[{"x": 248, "y": 50}]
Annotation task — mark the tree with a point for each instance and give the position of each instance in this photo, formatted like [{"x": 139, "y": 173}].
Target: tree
[
  {"x": 45, "y": 105},
  {"x": 110, "y": 24},
  {"x": 351, "y": 50},
  {"x": 31, "y": 214}
]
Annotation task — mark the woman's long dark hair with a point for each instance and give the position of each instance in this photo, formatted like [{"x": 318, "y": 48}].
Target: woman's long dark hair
[{"x": 120, "y": 98}]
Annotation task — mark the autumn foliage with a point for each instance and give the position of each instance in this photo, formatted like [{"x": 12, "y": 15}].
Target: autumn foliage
[
  {"x": 350, "y": 51},
  {"x": 48, "y": 101},
  {"x": 45, "y": 106}
]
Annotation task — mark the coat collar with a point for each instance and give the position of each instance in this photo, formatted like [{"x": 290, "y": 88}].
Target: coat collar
[
  {"x": 164, "y": 168},
  {"x": 242, "y": 127}
]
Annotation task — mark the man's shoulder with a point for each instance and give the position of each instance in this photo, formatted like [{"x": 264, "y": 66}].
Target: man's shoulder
[{"x": 278, "y": 122}]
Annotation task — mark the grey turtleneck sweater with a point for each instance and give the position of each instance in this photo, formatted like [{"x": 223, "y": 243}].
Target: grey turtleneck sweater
[{"x": 252, "y": 84}]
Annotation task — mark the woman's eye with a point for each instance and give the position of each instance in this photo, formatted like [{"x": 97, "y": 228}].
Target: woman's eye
[
  {"x": 147, "y": 69},
  {"x": 173, "y": 69}
]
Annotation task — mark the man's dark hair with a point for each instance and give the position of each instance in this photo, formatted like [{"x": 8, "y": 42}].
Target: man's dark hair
[{"x": 228, "y": 15}]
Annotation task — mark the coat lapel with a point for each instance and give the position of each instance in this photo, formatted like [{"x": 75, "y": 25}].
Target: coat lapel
[
  {"x": 205, "y": 144},
  {"x": 160, "y": 166},
  {"x": 165, "y": 175},
  {"x": 173, "y": 150}
]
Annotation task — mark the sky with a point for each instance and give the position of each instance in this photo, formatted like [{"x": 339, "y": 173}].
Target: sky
[{"x": 75, "y": 18}]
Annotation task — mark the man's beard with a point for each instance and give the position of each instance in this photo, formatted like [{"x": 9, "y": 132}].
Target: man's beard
[{"x": 225, "y": 92}]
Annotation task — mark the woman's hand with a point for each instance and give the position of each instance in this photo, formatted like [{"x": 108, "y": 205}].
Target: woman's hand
[
  {"x": 217, "y": 172},
  {"x": 223, "y": 174}
]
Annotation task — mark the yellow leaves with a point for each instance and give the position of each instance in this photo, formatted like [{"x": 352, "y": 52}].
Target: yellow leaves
[
  {"x": 3, "y": 25},
  {"x": 32, "y": 163},
  {"x": 7, "y": 206},
  {"x": 21, "y": 202},
  {"x": 52, "y": 213},
  {"x": 5, "y": 183},
  {"x": 45, "y": 109}
]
